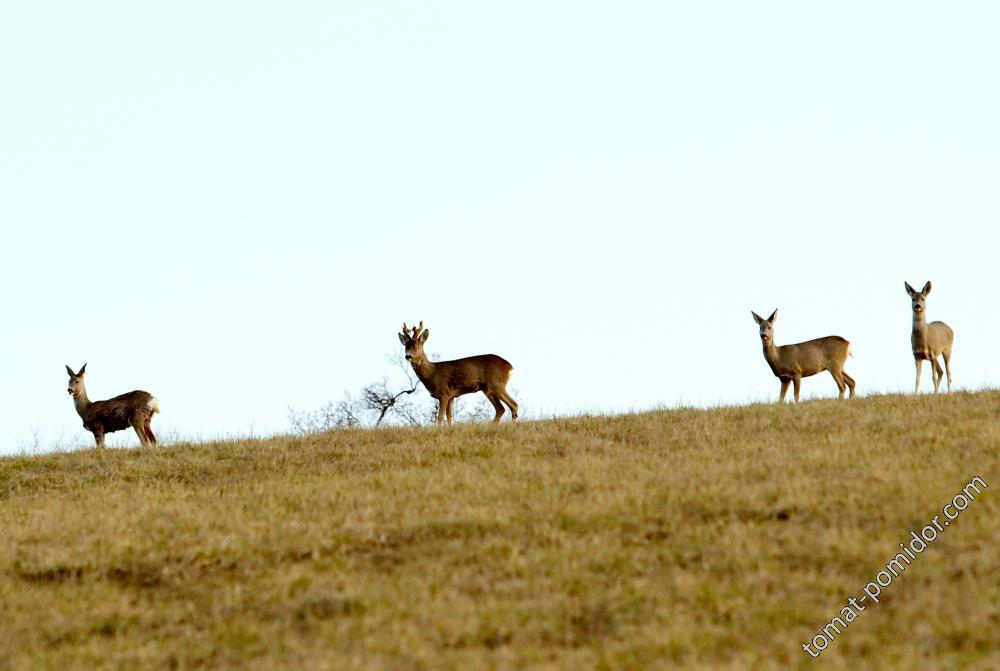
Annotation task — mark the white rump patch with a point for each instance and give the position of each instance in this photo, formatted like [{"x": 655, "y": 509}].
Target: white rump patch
[{"x": 153, "y": 405}]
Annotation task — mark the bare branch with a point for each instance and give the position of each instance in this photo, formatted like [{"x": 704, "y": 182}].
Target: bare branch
[{"x": 379, "y": 398}]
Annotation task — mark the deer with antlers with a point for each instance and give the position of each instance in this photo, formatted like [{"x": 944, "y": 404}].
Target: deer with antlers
[
  {"x": 929, "y": 341},
  {"x": 135, "y": 409},
  {"x": 447, "y": 380},
  {"x": 791, "y": 363}
]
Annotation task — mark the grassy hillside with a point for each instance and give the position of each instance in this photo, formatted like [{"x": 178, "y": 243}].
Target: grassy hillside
[{"x": 678, "y": 539}]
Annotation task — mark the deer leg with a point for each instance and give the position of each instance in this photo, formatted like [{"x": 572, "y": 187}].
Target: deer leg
[
  {"x": 99, "y": 438},
  {"x": 442, "y": 405},
  {"x": 838, "y": 378},
  {"x": 511, "y": 403},
  {"x": 938, "y": 374},
  {"x": 449, "y": 408},
  {"x": 140, "y": 431},
  {"x": 784, "y": 388},
  {"x": 919, "y": 363},
  {"x": 946, "y": 355},
  {"x": 497, "y": 405},
  {"x": 850, "y": 382},
  {"x": 796, "y": 383},
  {"x": 149, "y": 430}
]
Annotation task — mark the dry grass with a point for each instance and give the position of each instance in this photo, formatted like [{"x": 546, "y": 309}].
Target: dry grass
[{"x": 678, "y": 539}]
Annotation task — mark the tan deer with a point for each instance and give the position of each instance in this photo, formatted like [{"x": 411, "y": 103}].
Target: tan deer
[
  {"x": 135, "y": 409},
  {"x": 929, "y": 341},
  {"x": 447, "y": 380},
  {"x": 791, "y": 363}
]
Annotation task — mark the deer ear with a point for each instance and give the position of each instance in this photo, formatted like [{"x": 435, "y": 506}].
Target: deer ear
[
  {"x": 927, "y": 289},
  {"x": 70, "y": 371},
  {"x": 910, "y": 290},
  {"x": 83, "y": 370},
  {"x": 774, "y": 314},
  {"x": 756, "y": 317},
  {"x": 402, "y": 338},
  {"x": 426, "y": 334}
]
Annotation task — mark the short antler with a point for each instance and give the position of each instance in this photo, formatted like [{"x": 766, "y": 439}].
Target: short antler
[{"x": 412, "y": 333}]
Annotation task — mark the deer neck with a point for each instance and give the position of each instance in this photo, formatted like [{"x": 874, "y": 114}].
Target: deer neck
[
  {"x": 81, "y": 401},
  {"x": 771, "y": 354},
  {"x": 919, "y": 321},
  {"x": 424, "y": 370}
]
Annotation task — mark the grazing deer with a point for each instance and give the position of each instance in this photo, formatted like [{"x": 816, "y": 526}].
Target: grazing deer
[
  {"x": 135, "y": 409},
  {"x": 791, "y": 363},
  {"x": 929, "y": 341},
  {"x": 446, "y": 380}
]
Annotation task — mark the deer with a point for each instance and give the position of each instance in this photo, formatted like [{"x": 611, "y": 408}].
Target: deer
[
  {"x": 135, "y": 409},
  {"x": 929, "y": 341},
  {"x": 791, "y": 363},
  {"x": 447, "y": 380}
]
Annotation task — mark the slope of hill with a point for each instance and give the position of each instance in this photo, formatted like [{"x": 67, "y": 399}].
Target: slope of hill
[{"x": 722, "y": 538}]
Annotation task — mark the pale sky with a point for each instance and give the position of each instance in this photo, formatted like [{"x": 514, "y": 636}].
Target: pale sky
[{"x": 234, "y": 205}]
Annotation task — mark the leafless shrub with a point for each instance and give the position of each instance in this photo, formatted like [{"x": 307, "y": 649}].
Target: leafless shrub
[
  {"x": 377, "y": 404},
  {"x": 381, "y": 399},
  {"x": 345, "y": 414}
]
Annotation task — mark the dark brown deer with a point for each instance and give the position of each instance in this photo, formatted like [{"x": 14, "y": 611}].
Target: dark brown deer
[
  {"x": 135, "y": 409},
  {"x": 446, "y": 380},
  {"x": 791, "y": 363},
  {"x": 929, "y": 341}
]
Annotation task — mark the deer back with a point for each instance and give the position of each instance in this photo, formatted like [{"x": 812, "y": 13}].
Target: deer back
[
  {"x": 474, "y": 373},
  {"x": 118, "y": 413},
  {"x": 812, "y": 356}
]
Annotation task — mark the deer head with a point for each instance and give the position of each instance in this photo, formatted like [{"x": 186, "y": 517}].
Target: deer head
[
  {"x": 75, "y": 387},
  {"x": 413, "y": 340},
  {"x": 918, "y": 299},
  {"x": 766, "y": 326}
]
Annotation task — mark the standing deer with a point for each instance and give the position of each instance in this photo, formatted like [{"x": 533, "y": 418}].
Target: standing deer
[
  {"x": 135, "y": 409},
  {"x": 446, "y": 380},
  {"x": 929, "y": 341},
  {"x": 791, "y": 363}
]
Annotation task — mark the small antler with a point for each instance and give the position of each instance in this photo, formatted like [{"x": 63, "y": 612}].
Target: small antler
[{"x": 411, "y": 333}]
